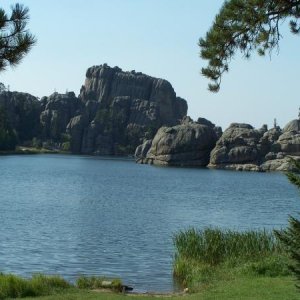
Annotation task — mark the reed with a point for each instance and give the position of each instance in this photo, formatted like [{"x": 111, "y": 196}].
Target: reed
[
  {"x": 204, "y": 257},
  {"x": 215, "y": 246}
]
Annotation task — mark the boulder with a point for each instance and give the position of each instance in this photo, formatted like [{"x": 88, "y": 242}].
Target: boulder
[
  {"x": 187, "y": 144},
  {"x": 267, "y": 141},
  {"x": 288, "y": 143},
  {"x": 237, "y": 145},
  {"x": 293, "y": 125},
  {"x": 283, "y": 164},
  {"x": 142, "y": 151}
]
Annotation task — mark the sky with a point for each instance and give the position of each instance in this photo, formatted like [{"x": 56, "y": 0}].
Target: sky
[{"x": 158, "y": 38}]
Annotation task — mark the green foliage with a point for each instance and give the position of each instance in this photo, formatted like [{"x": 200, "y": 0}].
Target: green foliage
[
  {"x": 37, "y": 143},
  {"x": 290, "y": 237},
  {"x": 15, "y": 40},
  {"x": 66, "y": 142},
  {"x": 66, "y": 146},
  {"x": 2, "y": 87},
  {"x": 95, "y": 282},
  {"x": 245, "y": 25},
  {"x": 28, "y": 120},
  {"x": 8, "y": 136},
  {"x": 65, "y": 137},
  {"x": 210, "y": 255},
  {"x": 271, "y": 266},
  {"x": 12, "y": 286},
  {"x": 215, "y": 246}
]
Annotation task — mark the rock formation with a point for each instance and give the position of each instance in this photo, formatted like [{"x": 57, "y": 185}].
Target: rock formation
[
  {"x": 242, "y": 147},
  {"x": 57, "y": 110},
  {"x": 121, "y": 112},
  {"x": 121, "y": 109},
  {"x": 187, "y": 144},
  {"x": 238, "y": 145},
  {"x": 113, "y": 114},
  {"x": 23, "y": 113}
]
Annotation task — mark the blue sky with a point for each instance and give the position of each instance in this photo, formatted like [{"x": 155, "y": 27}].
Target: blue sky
[{"x": 159, "y": 38}]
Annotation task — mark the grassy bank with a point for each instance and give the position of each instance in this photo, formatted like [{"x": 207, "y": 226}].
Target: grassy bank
[
  {"x": 55, "y": 288},
  {"x": 213, "y": 264},
  {"x": 259, "y": 288},
  {"x": 12, "y": 286},
  {"x": 205, "y": 259}
]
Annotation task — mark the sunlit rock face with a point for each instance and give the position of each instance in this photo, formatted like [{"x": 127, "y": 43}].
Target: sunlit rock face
[
  {"x": 187, "y": 144},
  {"x": 121, "y": 109},
  {"x": 241, "y": 147}
]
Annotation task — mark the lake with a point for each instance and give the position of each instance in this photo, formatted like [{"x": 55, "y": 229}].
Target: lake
[{"x": 75, "y": 215}]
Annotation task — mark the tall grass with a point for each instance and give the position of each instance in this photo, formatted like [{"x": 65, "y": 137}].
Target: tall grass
[
  {"x": 215, "y": 246},
  {"x": 210, "y": 255},
  {"x": 12, "y": 286}
]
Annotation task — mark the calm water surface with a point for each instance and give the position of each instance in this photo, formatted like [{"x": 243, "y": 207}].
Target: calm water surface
[{"x": 74, "y": 215}]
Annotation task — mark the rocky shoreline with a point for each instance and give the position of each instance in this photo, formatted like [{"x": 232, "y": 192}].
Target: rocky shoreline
[
  {"x": 122, "y": 113},
  {"x": 240, "y": 147}
]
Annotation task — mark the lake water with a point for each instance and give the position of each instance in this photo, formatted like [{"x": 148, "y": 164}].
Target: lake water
[{"x": 74, "y": 215}]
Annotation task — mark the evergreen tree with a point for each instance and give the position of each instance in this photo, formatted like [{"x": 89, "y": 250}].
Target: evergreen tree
[
  {"x": 245, "y": 25},
  {"x": 15, "y": 39},
  {"x": 290, "y": 237},
  {"x": 8, "y": 136}
]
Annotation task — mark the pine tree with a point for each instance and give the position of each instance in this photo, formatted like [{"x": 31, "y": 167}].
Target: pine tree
[
  {"x": 245, "y": 25},
  {"x": 8, "y": 136},
  {"x": 15, "y": 39},
  {"x": 290, "y": 237}
]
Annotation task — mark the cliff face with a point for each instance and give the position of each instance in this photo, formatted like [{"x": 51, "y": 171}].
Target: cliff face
[
  {"x": 113, "y": 114},
  {"x": 57, "y": 110},
  {"x": 121, "y": 109}
]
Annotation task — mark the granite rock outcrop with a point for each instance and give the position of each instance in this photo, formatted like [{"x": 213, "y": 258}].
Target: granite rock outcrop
[
  {"x": 242, "y": 147},
  {"x": 113, "y": 114},
  {"x": 187, "y": 144},
  {"x": 57, "y": 110},
  {"x": 121, "y": 109}
]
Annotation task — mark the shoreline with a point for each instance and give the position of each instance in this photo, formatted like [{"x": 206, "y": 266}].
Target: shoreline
[{"x": 21, "y": 150}]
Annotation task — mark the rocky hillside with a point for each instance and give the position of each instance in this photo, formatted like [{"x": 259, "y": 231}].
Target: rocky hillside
[{"x": 113, "y": 114}]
